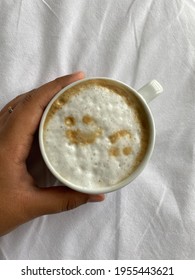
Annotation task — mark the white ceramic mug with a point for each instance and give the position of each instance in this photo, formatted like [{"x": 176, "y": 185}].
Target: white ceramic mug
[{"x": 145, "y": 95}]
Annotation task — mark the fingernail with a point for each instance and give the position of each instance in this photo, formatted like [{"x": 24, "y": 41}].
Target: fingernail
[
  {"x": 96, "y": 198},
  {"x": 78, "y": 72}
]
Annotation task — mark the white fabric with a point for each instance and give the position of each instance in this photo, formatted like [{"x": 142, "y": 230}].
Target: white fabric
[{"x": 133, "y": 41}]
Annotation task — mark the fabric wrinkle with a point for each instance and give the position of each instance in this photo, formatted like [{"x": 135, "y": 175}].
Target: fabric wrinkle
[
  {"x": 50, "y": 8},
  {"x": 151, "y": 220},
  {"x": 19, "y": 15}
]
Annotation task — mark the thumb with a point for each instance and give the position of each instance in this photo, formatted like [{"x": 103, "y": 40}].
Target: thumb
[{"x": 58, "y": 199}]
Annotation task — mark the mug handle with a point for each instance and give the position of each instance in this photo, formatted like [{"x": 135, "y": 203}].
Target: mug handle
[{"x": 150, "y": 90}]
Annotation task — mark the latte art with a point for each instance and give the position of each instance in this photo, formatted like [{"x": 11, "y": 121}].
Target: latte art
[{"x": 96, "y": 134}]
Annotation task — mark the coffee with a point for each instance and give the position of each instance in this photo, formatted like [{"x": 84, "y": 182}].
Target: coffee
[{"x": 96, "y": 133}]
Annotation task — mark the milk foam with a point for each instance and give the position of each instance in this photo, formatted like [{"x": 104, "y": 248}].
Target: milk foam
[{"x": 95, "y": 138}]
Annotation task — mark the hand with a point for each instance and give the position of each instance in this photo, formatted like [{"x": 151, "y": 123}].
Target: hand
[{"x": 20, "y": 198}]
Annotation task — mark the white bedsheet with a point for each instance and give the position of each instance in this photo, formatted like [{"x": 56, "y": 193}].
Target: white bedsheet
[{"x": 133, "y": 41}]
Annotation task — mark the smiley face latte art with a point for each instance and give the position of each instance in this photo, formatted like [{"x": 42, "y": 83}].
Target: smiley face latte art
[{"x": 96, "y": 134}]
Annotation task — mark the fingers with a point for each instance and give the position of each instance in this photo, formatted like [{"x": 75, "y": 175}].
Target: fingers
[
  {"x": 30, "y": 109},
  {"x": 25, "y": 118},
  {"x": 58, "y": 199}
]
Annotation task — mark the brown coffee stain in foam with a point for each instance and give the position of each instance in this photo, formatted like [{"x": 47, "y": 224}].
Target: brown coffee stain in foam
[
  {"x": 70, "y": 121},
  {"x": 118, "y": 134},
  {"x": 114, "y": 151},
  {"x": 127, "y": 150},
  {"x": 80, "y": 137},
  {"x": 114, "y": 138},
  {"x": 87, "y": 119}
]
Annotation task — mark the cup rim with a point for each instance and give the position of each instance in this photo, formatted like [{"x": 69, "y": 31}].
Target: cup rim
[{"x": 129, "y": 178}]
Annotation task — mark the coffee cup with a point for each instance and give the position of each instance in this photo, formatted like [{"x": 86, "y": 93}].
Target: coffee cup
[{"x": 97, "y": 134}]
